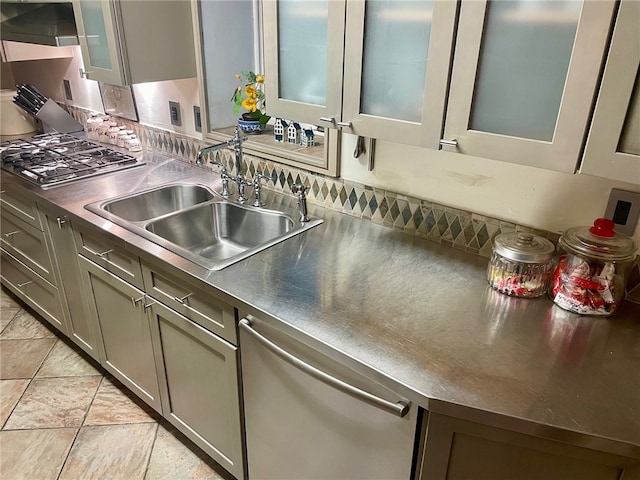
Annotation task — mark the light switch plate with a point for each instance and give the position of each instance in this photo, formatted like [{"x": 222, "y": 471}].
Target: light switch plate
[
  {"x": 624, "y": 209},
  {"x": 67, "y": 89},
  {"x": 197, "y": 119},
  {"x": 174, "y": 113}
]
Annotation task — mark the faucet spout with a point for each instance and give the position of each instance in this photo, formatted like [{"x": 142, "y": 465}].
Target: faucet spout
[
  {"x": 211, "y": 148},
  {"x": 235, "y": 142}
]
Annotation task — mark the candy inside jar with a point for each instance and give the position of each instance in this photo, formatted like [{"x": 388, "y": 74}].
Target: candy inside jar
[
  {"x": 521, "y": 264},
  {"x": 592, "y": 269}
]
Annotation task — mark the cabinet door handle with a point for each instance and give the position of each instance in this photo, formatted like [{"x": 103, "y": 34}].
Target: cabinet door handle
[
  {"x": 182, "y": 299},
  {"x": 344, "y": 124},
  {"x": 135, "y": 301},
  {"x": 148, "y": 305},
  {"x": 399, "y": 408},
  {"x": 61, "y": 222},
  {"x": 330, "y": 120},
  {"x": 106, "y": 252},
  {"x": 11, "y": 234},
  {"x": 449, "y": 143},
  {"x": 20, "y": 285}
]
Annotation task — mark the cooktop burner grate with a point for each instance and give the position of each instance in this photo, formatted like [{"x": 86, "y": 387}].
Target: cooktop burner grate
[{"x": 56, "y": 159}]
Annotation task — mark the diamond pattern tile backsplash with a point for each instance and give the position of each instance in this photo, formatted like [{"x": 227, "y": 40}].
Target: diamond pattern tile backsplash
[{"x": 456, "y": 228}]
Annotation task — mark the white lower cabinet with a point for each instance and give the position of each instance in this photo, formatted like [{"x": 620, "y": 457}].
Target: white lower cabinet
[
  {"x": 170, "y": 357},
  {"x": 199, "y": 382},
  {"x": 126, "y": 350},
  {"x": 28, "y": 263},
  {"x": 82, "y": 328},
  {"x": 457, "y": 449},
  {"x": 32, "y": 289}
]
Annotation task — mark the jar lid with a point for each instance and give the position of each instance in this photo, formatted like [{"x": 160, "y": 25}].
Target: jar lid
[
  {"x": 523, "y": 247},
  {"x": 599, "y": 241}
]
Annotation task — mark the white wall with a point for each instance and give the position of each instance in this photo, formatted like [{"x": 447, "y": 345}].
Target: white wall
[
  {"x": 530, "y": 196},
  {"x": 152, "y": 98}
]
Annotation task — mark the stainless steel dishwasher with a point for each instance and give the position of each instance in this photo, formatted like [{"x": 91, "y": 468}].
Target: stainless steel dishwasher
[{"x": 309, "y": 417}]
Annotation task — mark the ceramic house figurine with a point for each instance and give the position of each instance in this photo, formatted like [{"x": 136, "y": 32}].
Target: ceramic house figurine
[
  {"x": 279, "y": 129},
  {"x": 293, "y": 132},
  {"x": 307, "y": 137}
]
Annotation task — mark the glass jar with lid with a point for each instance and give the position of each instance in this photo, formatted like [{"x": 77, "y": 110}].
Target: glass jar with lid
[
  {"x": 93, "y": 122},
  {"x": 592, "y": 269},
  {"x": 133, "y": 144},
  {"x": 521, "y": 264}
]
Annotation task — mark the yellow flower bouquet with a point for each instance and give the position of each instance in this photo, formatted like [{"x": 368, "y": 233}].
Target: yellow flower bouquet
[{"x": 250, "y": 97}]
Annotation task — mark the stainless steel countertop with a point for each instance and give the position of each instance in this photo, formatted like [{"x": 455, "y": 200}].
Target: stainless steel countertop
[{"x": 418, "y": 316}]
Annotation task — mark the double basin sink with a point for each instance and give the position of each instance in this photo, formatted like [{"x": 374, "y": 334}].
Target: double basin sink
[{"x": 197, "y": 224}]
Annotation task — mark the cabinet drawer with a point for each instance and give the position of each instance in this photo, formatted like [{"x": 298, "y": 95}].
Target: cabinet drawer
[
  {"x": 43, "y": 297},
  {"x": 27, "y": 244},
  {"x": 111, "y": 257},
  {"x": 22, "y": 206},
  {"x": 197, "y": 305}
]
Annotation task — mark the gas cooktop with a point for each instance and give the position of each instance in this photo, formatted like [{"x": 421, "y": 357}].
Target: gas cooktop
[{"x": 56, "y": 159}]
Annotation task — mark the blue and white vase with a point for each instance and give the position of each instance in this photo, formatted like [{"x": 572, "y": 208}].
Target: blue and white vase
[{"x": 251, "y": 127}]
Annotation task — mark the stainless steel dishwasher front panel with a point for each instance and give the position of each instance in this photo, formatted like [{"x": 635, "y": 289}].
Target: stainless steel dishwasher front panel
[{"x": 299, "y": 428}]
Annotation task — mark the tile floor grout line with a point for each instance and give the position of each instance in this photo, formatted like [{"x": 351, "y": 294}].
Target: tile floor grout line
[
  {"x": 75, "y": 437},
  {"x": 25, "y": 388},
  {"x": 35, "y": 374},
  {"x": 78, "y": 441},
  {"x": 153, "y": 446}
]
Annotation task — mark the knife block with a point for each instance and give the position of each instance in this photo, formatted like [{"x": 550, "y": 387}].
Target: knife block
[{"x": 54, "y": 119}]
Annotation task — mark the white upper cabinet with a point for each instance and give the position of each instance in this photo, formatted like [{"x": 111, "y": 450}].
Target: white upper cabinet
[
  {"x": 524, "y": 78},
  {"x": 613, "y": 145},
  {"x": 377, "y": 68},
  {"x": 303, "y": 49},
  {"x": 135, "y": 41}
]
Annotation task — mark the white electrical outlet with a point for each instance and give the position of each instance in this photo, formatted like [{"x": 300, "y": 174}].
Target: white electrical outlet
[{"x": 624, "y": 209}]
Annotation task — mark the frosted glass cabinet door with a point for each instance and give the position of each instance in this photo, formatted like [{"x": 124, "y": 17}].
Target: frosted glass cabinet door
[
  {"x": 396, "y": 68},
  {"x": 613, "y": 145},
  {"x": 303, "y": 51},
  {"x": 524, "y": 79},
  {"x": 98, "y": 40}
]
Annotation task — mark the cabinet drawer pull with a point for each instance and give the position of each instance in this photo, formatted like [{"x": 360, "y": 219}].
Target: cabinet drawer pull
[
  {"x": 331, "y": 120},
  {"x": 107, "y": 252},
  {"x": 20, "y": 285},
  {"x": 135, "y": 301},
  {"x": 344, "y": 124},
  {"x": 449, "y": 143},
  {"x": 399, "y": 408},
  {"x": 11, "y": 234},
  {"x": 182, "y": 299}
]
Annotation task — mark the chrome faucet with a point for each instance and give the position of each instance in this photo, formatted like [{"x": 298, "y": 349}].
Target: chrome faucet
[
  {"x": 236, "y": 142},
  {"x": 225, "y": 179},
  {"x": 300, "y": 191},
  {"x": 257, "y": 188}
]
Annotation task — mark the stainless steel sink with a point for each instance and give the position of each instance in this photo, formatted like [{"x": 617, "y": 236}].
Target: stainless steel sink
[
  {"x": 191, "y": 221},
  {"x": 157, "y": 202},
  {"x": 221, "y": 231}
]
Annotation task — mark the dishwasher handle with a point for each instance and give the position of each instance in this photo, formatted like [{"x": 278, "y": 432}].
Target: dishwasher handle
[{"x": 399, "y": 408}]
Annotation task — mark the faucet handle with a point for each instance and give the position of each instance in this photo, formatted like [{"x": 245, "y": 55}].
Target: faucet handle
[
  {"x": 257, "y": 188},
  {"x": 225, "y": 178},
  {"x": 222, "y": 165},
  {"x": 299, "y": 189}
]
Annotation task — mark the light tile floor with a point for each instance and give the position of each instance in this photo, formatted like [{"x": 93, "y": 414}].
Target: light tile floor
[{"x": 63, "y": 417}]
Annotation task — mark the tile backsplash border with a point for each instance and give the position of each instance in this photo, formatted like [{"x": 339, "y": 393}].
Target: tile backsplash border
[{"x": 449, "y": 226}]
